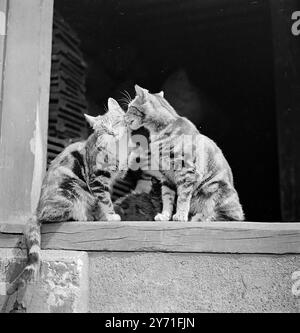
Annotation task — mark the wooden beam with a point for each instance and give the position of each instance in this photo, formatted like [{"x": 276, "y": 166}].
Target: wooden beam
[
  {"x": 24, "y": 125},
  {"x": 287, "y": 87},
  {"x": 216, "y": 237},
  {"x": 3, "y": 27}
]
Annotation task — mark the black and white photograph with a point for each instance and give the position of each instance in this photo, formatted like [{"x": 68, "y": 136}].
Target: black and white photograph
[{"x": 149, "y": 159}]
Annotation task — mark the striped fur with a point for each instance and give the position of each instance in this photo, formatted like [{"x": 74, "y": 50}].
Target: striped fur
[
  {"x": 201, "y": 181},
  {"x": 77, "y": 185}
]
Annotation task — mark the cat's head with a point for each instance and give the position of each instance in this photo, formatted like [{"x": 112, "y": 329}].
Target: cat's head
[
  {"x": 112, "y": 124},
  {"x": 148, "y": 109}
]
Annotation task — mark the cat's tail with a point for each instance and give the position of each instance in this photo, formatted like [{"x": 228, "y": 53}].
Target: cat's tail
[{"x": 30, "y": 273}]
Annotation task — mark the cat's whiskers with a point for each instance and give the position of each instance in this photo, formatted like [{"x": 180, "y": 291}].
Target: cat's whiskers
[
  {"x": 124, "y": 100},
  {"x": 126, "y": 94},
  {"x": 127, "y": 98}
]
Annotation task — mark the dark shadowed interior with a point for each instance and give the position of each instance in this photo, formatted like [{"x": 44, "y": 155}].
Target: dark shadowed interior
[{"x": 214, "y": 60}]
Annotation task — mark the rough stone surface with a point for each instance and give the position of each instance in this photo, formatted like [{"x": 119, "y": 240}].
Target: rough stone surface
[
  {"x": 63, "y": 286},
  {"x": 161, "y": 282},
  {"x": 154, "y": 282}
]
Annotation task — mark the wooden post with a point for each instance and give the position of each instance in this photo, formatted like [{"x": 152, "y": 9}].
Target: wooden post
[
  {"x": 26, "y": 84},
  {"x": 287, "y": 86},
  {"x": 3, "y": 26}
]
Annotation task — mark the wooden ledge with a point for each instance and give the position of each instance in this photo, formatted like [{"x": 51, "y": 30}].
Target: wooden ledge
[{"x": 215, "y": 237}]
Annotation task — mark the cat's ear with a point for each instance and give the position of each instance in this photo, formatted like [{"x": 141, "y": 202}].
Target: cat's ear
[
  {"x": 91, "y": 120},
  {"x": 161, "y": 94},
  {"x": 141, "y": 92},
  {"x": 114, "y": 106}
]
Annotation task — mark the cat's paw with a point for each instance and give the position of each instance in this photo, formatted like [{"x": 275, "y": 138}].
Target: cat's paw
[
  {"x": 180, "y": 217},
  {"x": 113, "y": 217},
  {"x": 200, "y": 218},
  {"x": 196, "y": 218},
  {"x": 162, "y": 217}
]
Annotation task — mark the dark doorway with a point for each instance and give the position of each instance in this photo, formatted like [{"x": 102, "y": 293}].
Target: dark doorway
[{"x": 213, "y": 58}]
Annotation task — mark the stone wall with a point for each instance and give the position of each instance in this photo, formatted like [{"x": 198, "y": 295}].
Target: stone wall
[
  {"x": 169, "y": 282},
  {"x": 73, "y": 281},
  {"x": 63, "y": 287}
]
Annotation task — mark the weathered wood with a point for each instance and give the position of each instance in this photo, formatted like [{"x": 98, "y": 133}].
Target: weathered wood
[
  {"x": 11, "y": 241},
  {"x": 3, "y": 25},
  {"x": 11, "y": 235},
  {"x": 174, "y": 237},
  {"x": 217, "y": 237},
  {"x": 287, "y": 77},
  {"x": 11, "y": 228},
  {"x": 24, "y": 123}
]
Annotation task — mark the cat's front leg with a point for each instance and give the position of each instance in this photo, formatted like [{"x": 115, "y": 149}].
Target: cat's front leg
[
  {"x": 100, "y": 188},
  {"x": 183, "y": 205},
  {"x": 185, "y": 188},
  {"x": 106, "y": 208},
  {"x": 168, "y": 198}
]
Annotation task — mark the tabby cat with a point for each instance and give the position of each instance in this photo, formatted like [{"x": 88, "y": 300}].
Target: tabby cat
[
  {"x": 78, "y": 181},
  {"x": 198, "y": 173}
]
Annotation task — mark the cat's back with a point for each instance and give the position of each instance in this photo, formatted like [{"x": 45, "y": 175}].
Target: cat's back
[
  {"x": 211, "y": 160},
  {"x": 69, "y": 164},
  {"x": 183, "y": 126},
  {"x": 66, "y": 156},
  {"x": 207, "y": 154},
  {"x": 179, "y": 130}
]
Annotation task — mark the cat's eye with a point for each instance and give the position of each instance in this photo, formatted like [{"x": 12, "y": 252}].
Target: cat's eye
[{"x": 135, "y": 111}]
